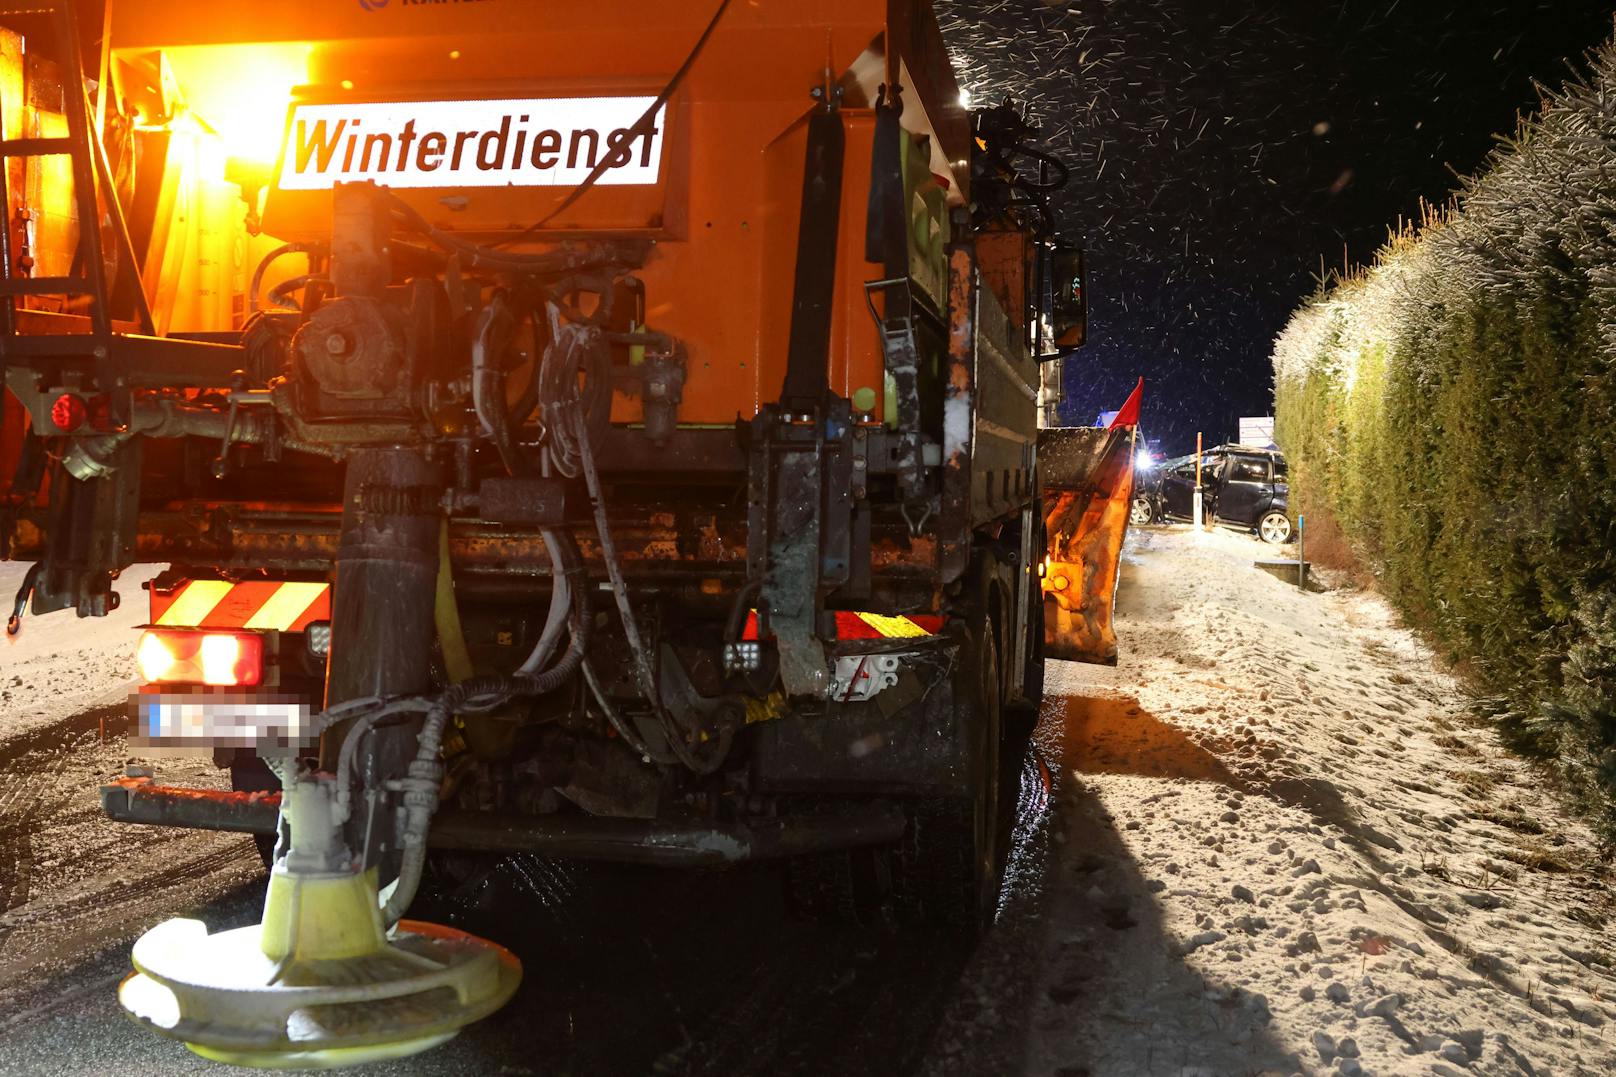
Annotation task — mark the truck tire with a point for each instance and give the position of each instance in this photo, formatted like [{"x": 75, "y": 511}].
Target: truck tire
[
  {"x": 842, "y": 887},
  {"x": 1021, "y": 717},
  {"x": 947, "y": 870}
]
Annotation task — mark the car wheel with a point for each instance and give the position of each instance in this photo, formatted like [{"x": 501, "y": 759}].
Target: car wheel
[
  {"x": 1275, "y": 527},
  {"x": 1143, "y": 512}
]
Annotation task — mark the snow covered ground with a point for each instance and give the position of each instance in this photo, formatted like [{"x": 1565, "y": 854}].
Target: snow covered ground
[
  {"x": 60, "y": 665},
  {"x": 1276, "y": 844},
  {"x": 69, "y": 880},
  {"x": 1281, "y": 845}
]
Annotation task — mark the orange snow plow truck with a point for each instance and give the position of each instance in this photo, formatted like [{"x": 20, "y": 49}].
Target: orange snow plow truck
[{"x": 599, "y": 429}]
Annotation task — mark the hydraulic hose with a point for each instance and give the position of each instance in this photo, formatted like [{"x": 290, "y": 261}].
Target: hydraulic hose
[
  {"x": 560, "y": 603},
  {"x": 488, "y": 400},
  {"x": 1063, "y": 172},
  {"x": 573, "y": 347},
  {"x": 482, "y": 694},
  {"x": 420, "y": 788},
  {"x": 615, "y": 718},
  {"x": 355, "y": 735},
  {"x": 492, "y": 335},
  {"x": 263, "y": 267},
  {"x": 420, "y": 785},
  {"x": 640, "y": 129},
  {"x": 644, "y": 671},
  {"x": 280, "y": 296}
]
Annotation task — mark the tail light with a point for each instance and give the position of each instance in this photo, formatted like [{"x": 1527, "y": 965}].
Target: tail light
[
  {"x": 70, "y": 412},
  {"x": 231, "y": 659}
]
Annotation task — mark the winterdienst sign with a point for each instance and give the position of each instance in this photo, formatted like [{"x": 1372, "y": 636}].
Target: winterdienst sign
[{"x": 528, "y": 142}]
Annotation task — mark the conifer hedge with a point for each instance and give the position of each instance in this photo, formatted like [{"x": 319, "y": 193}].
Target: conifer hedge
[{"x": 1454, "y": 407}]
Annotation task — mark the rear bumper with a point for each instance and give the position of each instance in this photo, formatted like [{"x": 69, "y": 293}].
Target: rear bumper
[{"x": 675, "y": 843}]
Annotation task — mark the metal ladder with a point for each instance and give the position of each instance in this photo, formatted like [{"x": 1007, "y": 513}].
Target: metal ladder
[{"x": 91, "y": 176}]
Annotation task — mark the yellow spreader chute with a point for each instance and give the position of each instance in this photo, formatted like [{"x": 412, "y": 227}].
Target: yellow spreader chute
[{"x": 321, "y": 982}]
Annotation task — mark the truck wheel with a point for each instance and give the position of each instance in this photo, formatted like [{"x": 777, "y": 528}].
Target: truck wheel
[
  {"x": 947, "y": 870},
  {"x": 835, "y": 888},
  {"x": 456, "y": 877},
  {"x": 1022, "y": 717}
]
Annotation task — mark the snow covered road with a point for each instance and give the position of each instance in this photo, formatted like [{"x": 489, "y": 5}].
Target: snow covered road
[
  {"x": 69, "y": 880},
  {"x": 1274, "y": 844},
  {"x": 1283, "y": 847},
  {"x": 60, "y": 665}
]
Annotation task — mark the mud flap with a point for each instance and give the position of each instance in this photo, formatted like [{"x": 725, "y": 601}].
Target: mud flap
[
  {"x": 918, "y": 749},
  {"x": 1088, "y": 483}
]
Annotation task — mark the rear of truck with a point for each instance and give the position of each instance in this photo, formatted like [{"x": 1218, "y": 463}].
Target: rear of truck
[{"x": 606, "y": 430}]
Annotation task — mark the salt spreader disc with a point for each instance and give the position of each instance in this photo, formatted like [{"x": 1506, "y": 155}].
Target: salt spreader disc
[{"x": 230, "y": 1002}]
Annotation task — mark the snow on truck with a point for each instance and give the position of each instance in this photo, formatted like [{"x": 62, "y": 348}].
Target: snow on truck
[{"x": 606, "y": 430}]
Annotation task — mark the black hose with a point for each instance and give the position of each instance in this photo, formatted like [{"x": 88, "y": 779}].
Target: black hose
[
  {"x": 1059, "y": 181},
  {"x": 263, "y": 267},
  {"x": 280, "y": 297},
  {"x": 573, "y": 347},
  {"x": 641, "y": 129},
  {"x": 737, "y": 610},
  {"x": 523, "y": 410},
  {"x": 491, "y": 385},
  {"x": 489, "y": 340}
]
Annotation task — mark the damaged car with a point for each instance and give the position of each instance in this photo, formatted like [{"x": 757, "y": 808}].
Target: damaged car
[{"x": 1242, "y": 487}]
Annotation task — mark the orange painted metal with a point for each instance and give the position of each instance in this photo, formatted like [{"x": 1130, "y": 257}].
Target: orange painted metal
[
  {"x": 724, "y": 215},
  {"x": 42, "y": 216},
  {"x": 1086, "y": 521},
  {"x": 724, "y": 218},
  {"x": 1004, "y": 259}
]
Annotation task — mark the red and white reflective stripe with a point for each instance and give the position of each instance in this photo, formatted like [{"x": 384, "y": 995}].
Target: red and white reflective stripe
[
  {"x": 850, "y": 625},
  {"x": 259, "y": 605}
]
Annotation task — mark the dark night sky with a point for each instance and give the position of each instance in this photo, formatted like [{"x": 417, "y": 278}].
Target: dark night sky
[{"x": 1222, "y": 147}]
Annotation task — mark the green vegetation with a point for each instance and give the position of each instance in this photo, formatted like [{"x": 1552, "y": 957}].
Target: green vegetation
[{"x": 1453, "y": 408}]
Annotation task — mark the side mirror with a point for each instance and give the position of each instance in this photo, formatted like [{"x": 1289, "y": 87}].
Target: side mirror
[{"x": 1064, "y": 301}]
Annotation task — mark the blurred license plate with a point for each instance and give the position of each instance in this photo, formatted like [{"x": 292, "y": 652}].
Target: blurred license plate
[{"x": 196, "y": 724}]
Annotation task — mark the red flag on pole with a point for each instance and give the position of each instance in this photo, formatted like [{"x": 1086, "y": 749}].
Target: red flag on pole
[{"x": 1129, "y": 415}]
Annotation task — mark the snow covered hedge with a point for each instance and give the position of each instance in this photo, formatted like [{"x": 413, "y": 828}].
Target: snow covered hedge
[{"x": 1454, "y": 407}]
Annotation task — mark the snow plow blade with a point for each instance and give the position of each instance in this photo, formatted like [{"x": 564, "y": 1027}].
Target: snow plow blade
[{"x": 1088, "y": 484}]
